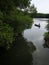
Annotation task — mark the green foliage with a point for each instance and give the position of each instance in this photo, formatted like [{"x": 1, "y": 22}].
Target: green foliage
[
  {"x": 46, "y": 35},
  {"x": 6, "y": 5},
  {"x": 12, "y": 15},
  {"x": 22, "y": 3},
  {"x": 12, "y": 20},
  {"x": 6, "y": 34},
  {"x": 17, "y": 18},
  {"x": 24, "y": 22},
  {"x": 24, "y": 18},
  {"x": 1, "y": 15}
]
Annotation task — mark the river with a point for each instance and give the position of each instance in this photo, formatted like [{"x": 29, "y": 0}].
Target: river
[{"x": 36, "y": 36}]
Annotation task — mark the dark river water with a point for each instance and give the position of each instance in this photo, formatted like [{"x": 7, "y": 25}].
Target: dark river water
[{"x": 36, "y": 36}]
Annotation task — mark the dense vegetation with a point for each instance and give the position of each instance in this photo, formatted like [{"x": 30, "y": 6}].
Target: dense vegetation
[
  {"x": 12, "y": 20},
  {"x": 14, "y": 49}
]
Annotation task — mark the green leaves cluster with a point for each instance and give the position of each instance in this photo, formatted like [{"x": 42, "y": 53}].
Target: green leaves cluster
[
  {"x": 46, "y": 35},
  {"x": 6, "y": 34}
]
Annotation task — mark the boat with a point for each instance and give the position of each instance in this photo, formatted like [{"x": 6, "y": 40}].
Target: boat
[{"x": 38, "y": 25}]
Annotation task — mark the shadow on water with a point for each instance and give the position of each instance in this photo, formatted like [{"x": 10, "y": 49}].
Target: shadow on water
[{"x": 19, "y": 54}]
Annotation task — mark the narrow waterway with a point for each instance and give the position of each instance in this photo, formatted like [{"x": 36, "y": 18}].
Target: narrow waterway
[{"x": 36, "y": 35}]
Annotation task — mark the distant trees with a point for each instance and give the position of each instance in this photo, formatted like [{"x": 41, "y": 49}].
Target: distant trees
[{"x": 39, "y": 15}]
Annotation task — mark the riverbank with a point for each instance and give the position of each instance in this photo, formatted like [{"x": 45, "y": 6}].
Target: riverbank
[
  {"x": 46, "y": 38},
  {"x": 46, "y": 35}
]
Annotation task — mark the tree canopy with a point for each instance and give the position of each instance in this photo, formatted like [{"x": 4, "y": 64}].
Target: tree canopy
[
  {"x": 8, "y": 4},
  {"x": 10, "y": 19}
]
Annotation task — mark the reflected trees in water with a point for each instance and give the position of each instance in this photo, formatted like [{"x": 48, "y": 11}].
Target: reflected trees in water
[{"x": 19, "y": 54}]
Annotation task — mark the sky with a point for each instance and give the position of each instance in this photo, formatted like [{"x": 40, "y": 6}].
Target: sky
[{"x": 41, "y": 5}]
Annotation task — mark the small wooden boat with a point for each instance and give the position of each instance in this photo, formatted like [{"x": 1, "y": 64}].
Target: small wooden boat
[{"x": 38, "y": 25}]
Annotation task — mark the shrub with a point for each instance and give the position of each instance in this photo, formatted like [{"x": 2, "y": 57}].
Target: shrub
[{"x": 6, "y": 34}]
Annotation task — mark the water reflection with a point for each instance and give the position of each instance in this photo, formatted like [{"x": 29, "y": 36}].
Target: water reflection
[
  {"x": 36, "y": 35},
  {"x": 20, "y": 54}
]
